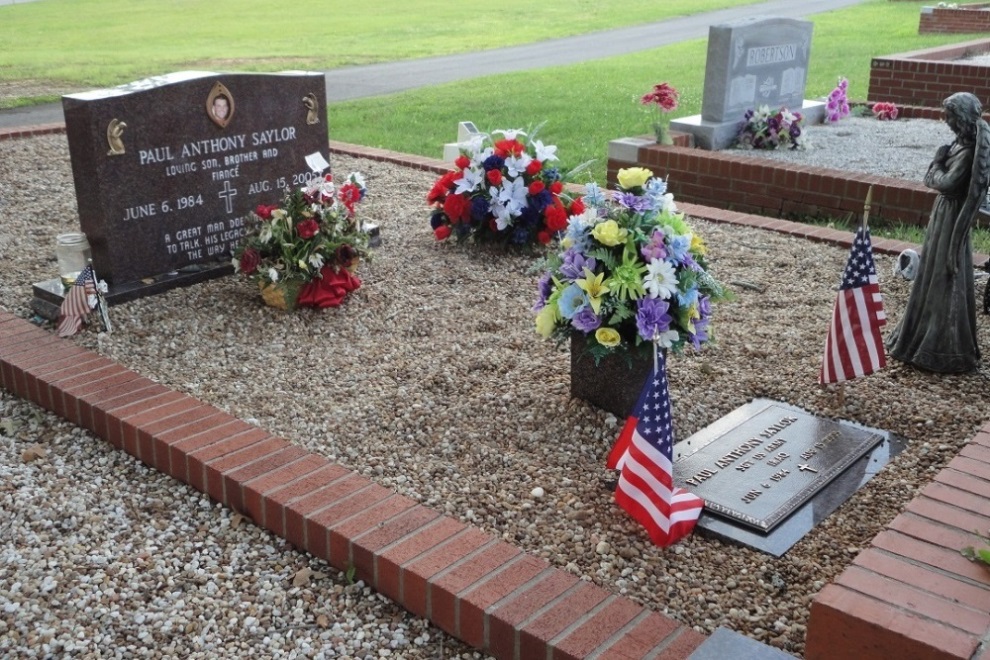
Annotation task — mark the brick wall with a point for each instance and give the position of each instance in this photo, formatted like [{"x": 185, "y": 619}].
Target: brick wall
[
  {"x": 960, "y": 20},
  {"x": 763, "y": 187},
  {"x": 926, "y": 77}
]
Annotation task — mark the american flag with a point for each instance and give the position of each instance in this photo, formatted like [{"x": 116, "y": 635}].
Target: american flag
[
  {"x": 644, "y": 454},
  {"x": 854, "y": 346},
  {"x": 75, "y": 307}
]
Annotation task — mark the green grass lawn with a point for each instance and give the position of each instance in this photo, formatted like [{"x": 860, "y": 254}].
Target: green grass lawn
[{"x": 99, "y": 43}]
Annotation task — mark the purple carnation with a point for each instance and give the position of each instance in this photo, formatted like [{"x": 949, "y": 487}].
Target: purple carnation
[
  {"x": 652, "y": 318},
  {"x": 639, "y": 203},
  {"x": 656, "y": 249},
  {"x": 544, "y": 288},
  {"x": 574, "y": 264},
  {"x": 586, "y": 320}
]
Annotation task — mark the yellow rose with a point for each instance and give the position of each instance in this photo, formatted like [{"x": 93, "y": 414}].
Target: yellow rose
[
  {"x": 546, "y": 319},
  {"x": 609, "y": 233},
  {"x": 698, "y": 245},
  {"x": 634, "y": 177},
  {"x": 607, "y": 337}
]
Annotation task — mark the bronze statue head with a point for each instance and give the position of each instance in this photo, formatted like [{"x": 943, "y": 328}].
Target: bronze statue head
[{"x": 963, "y": 112}]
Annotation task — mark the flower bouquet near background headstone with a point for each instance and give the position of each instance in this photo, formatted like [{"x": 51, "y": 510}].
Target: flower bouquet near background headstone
[
  {"x": 663, "y": 98},
  {"x": 885, "y": 111},
  {"x": 630, "y": 271},
  {"x": 837, "y": 103},
  {"x": 304, "y": 251},
  {"x": 504, "y": 189},
  {"x": 764, "y": 128}
]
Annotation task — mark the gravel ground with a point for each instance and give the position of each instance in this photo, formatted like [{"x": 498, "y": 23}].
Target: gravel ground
[{"x": 431, "y": 381}]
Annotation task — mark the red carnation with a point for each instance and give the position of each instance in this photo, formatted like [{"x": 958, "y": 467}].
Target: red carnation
[
  {"x": 265, "y": 212},
  {"x": 556, "y": 218},
  {"x": 350, "y": 195},
  {"x": 443, "y": 185},
  {"x": 442, "y": 232},
  {"x": 457, "y": 208},
  {"x": 663, "y": 96},
  {"x": 577, "y": 206},
  {"x": 536, "y": 188},
  {"x": 543, "y": 237},
  {"x": 462, "y": 162},
  {"x": 307, "y": 228},
  {"x": 534, "y": 167},
  {"x": 494, "y": 177},
  {"x": 506, "y": 147},
  {"x": 249, "y": 261},
  {"x": 556, "y": 187}
]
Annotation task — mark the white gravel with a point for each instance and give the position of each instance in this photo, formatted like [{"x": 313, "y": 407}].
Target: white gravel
[{"x": 431, "y": 381}]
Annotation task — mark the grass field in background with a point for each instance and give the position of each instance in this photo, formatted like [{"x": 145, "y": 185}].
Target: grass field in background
[{"x": 100, "y": 43}]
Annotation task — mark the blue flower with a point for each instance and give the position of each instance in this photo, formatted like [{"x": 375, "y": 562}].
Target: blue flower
[{"x": 571, "y": 300}]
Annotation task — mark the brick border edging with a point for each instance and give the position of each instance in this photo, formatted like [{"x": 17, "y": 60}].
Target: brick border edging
[
  {"x": 909, "y": 588},
  {"x": 468, "y": 582}
]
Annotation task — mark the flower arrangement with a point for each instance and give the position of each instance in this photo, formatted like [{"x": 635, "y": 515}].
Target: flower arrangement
[
  {"x": 766, "y": 129},
  {"x": 664, "y": 100},
  {"x": 837, "y": 103},
  {"x": 630, "y": 271},
  {"x": 310, "y": 242},
  {"x": 503, "y": 191},
  {"x": 884, "y": 111}
]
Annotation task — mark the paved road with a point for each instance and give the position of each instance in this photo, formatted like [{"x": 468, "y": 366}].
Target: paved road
[{"x": 377, "y": 79}]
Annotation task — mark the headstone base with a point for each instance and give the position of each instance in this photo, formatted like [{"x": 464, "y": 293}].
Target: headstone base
[
  {"x": 715, "y": 136},
  {"x": 48, "y": 295}
]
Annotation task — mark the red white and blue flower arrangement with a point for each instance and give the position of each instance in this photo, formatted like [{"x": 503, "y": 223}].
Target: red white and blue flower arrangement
[
  {"x": 630, "y": 271},
  {"x": 505, "y": 189}
]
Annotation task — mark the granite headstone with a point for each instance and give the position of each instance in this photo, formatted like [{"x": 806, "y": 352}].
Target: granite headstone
[
  {"x": 167, "y": 169},
  {"x": 751, "y": 62}
]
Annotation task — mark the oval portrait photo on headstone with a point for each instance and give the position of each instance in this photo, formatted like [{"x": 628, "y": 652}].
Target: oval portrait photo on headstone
[{"x": 220, "y": 105}]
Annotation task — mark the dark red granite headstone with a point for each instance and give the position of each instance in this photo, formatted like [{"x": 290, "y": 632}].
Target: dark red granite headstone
[{"x": 167, "y": 169}]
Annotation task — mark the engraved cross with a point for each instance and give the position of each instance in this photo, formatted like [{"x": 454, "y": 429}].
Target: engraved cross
[
  {"x": 228, "y": 194},
  {"x": 806, "y": 468}
]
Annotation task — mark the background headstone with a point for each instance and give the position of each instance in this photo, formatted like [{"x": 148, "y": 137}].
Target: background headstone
[
  {"x": 751, "y": 62},
  {"x": 167, "y": 169}
]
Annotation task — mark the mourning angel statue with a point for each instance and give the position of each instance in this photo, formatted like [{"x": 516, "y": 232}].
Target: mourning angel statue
[{"x": 938, "y": 329}]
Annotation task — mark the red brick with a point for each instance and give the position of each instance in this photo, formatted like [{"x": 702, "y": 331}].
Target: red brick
[
  {"x": 364, "y": 546},
  {"x": 343, "y": 531},
  {"x": 976, "y": 452},
  {"x": 442, "y": 597},
  {"x": 163, "y": 439},
  {"x": 643, "y": 635},
  {"x": 388, "y": 574},
  {"x": 598, "y": 629},
  {"x": 508, "y": 616},
  {"x": 537, "y": 635},
  {"x": 227, "y": 472},
  {"x": 926, "y": 530},
  {"x": 869, "y": 629},
  {"x": 137, "y": 430},
  {"x": 298, "y": 511},
  {"x": 87, "y": 400},
  {"x": 473, "y": 603},
  {"x": 941, "y": 558},
  {"x": 76, "y": 410},
  {"x": 253, "y": 490},
  {"x": 102, "y": 414},
  {"x": 947, "y": 514},
  {"x": 197, "y": 460},
  {"x": 914, "y": 600},
  {"x": 416, "y": 573},
  {"x": 936, "y": 582},
  {"x": 178, "y": 452},
  {"x": 277, "y": 500},
  {"x": 115, "y": 420},
  {"x": 318, "y": 524},
  {"x": 964, "y": 482}
]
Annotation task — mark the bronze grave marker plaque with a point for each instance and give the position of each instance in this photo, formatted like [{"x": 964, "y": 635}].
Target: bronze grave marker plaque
[{"x": 763, "y": 461}]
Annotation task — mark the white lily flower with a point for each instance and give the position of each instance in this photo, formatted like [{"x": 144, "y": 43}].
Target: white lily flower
[
  {"x": 516, "y": 165},
  {"x": 316, "y": 260},
  {"x": 544, "y": 152},
  {"x": 667, "y": 339},
  {"x": 513, "y": 195},
  {"x": 273, "y": 275},
  {"x": 509, "y": 134},
  {"x": 470, "y": 181}
]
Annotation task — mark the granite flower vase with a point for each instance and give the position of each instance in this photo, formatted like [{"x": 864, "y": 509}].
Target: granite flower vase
[
  {"x": 283, "y": 294},
  {"x": 614, "y": 384}
]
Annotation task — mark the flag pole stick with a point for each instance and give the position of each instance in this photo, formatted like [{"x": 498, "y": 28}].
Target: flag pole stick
[{"x": 866, "y": 207}]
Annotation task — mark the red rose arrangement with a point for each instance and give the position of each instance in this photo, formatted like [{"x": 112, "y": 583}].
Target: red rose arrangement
[
  {"x": 312, "y": 241},
  {"x": 504, "y": 189}
]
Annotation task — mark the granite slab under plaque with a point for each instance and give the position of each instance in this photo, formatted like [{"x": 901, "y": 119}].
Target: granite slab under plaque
[
  {"x": 167, "y": 169},
  {"x": 769, "y": 472}
]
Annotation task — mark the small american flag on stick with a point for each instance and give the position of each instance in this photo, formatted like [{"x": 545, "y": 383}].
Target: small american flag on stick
[
  {"x": 854, "y": 346},
  {"x": 75, "y": 307}
]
